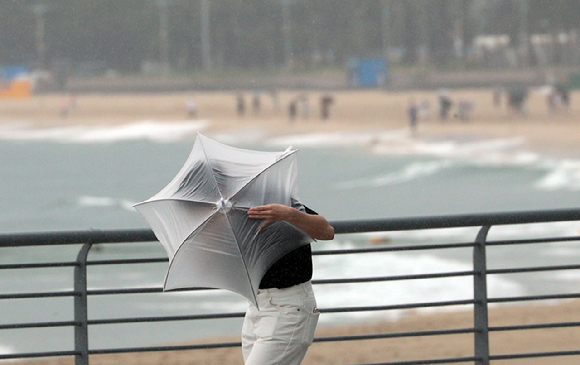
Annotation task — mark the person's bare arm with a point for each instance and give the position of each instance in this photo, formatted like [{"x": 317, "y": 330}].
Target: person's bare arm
[{"x": 315, "y": 225}]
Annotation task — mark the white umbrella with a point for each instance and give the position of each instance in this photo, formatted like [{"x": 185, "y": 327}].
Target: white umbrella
[{"x": 201, "y": 218}]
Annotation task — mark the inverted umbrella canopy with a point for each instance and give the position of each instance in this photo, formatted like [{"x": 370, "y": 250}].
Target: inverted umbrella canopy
[{"x": 201, "y": 218}]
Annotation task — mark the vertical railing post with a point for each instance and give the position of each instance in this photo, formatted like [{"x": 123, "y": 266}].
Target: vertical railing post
[
  {"x": 80, "y": 307},
  {"x": 480, "y": 318}
]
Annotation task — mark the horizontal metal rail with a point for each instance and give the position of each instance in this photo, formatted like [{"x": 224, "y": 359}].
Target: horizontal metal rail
[
  {"x": 530, "y": 355},
  {"x": 479, "y": 302},
  {"x": 534, "y": 326},
  {"x": 426, "y": 362},
  {"x": 340, "y": 227},
  {"x": 456, "y": 221}
]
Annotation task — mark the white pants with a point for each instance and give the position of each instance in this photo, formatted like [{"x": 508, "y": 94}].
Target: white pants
[{"x": 283, "y": 329}]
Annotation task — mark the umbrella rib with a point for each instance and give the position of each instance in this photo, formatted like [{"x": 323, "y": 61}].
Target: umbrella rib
[
  {"x": 197, "y": 229},
  {"x": 241, "y": 256},
  {"x": 228, "y": 218},
  {"x": 207, "y": 160},
  {"x": 174, "y": 199}
]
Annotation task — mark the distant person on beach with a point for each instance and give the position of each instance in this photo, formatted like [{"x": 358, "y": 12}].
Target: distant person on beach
[
  {"x": 564, "y": 92},
  {"x": 292, "y": 109},
  {"x": 325, "y": 102},
  {"x": 191, "y": 107},
  {"x": 517, "y": 99},
  {"x": 413, "y": 114},
  {"x": 240, "y": 105},
  {"x": 257, "y": 102},
  {"x": 445, "y": 104},
  {"x": 557, "y": 97}
]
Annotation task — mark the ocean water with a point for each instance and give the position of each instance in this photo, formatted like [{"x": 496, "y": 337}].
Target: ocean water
[{"x": 89, "y": 177}]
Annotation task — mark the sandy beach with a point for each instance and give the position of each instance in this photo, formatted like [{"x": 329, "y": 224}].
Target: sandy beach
[{"x": 366, "y": 110}]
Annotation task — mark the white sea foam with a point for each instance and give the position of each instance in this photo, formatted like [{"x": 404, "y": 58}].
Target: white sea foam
[
  {"x": 151, "y": 130},
  {"x": 561, "y": 175},
  {"x": 562, "y": 252},
  {"x": 447, "y": 152},
  {"x": 408, "y": 173},
  {"x": 550, "y": 229},
  {"x": 5, "y": 350},
  {"x": 425, "y": 235},
  {"x": 399, "y": 142},
  {"x": 203, "y": 303},
  {"x": 239, "y": 136},
  {"x": 88, "y": 201},
  {"x": 94, "y": 201},
  {"x": 571, "y": 276},
  {"x": 488, "y": 151},
  {"x": 337, "y": 138},
  {"x": 398, "y": 292}
]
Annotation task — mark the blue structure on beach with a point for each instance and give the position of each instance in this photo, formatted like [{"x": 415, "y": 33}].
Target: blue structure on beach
[
  {"x": 12, "y": 72},
  {"x": 368, "y": 72}
]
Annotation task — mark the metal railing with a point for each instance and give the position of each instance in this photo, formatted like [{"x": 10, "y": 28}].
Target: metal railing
[{"x": 479, "y": 302}]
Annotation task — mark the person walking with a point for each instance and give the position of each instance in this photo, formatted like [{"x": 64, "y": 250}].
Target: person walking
[
  {"x": 413, "y": 113},
  {"x": 325, "y": 102},
  {"x": 445, "y": 104},
  {"x": 292, "y": 110},
  {"x": 240, "y": 105},
  {"x": 282, "y": 329}
]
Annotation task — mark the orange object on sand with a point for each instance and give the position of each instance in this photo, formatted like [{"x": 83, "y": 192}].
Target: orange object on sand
[{"x": 17, "y": 89}]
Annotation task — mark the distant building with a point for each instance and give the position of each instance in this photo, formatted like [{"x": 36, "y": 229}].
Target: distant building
[
  {"x": 368, "y": 72},
  {"x": 546, "y": 49}
]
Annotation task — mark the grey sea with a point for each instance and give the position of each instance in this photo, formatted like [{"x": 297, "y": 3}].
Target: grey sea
[{"x": 79, "y": 178}]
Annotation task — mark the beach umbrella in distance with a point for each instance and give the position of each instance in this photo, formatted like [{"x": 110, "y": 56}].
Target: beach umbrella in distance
[{"x": 201, "y": 218}]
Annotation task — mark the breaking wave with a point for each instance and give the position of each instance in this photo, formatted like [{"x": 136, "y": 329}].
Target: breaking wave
[
  {"x": 5, "y": 350},
  {"x": 561, "y": 175},
  {"x": 150, "y": 130},
  {"x": 104, "y": 202},
  {"x": 410, "y": 172}
]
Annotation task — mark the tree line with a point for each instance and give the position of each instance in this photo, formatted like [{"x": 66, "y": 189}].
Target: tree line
[{"x": 123, "y": 34}]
